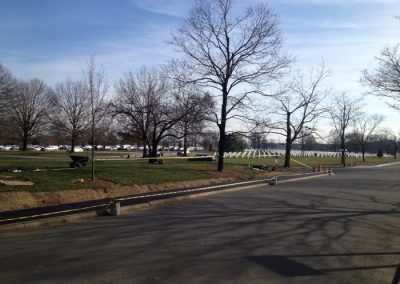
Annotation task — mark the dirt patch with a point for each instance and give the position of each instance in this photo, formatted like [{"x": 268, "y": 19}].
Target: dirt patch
[
  {"x": 105, "y": 189},
  {"x": 5, "y": 177},
  {"x": 15, "y": 200},
  {"x": 15, "y": 182}
]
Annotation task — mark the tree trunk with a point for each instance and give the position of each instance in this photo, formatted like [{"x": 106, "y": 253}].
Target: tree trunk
[
  {"x": 287, "y": 155},
  {"x": 221, "y": 147},
  {"x": 93, "y": 171},
  {"x": 342, "y": 145},
  {"x": 73, "y": 143},
  {"x": 288, "y": 141},
  {"x": 185, "y": 132},
  {"x": 363, "y": 152},
  {"x": 222, "y": 127},
  {"x": 153, "y": 153},
  {"x": 144, "y": 152},
  {"x": 24, "y": 141}
]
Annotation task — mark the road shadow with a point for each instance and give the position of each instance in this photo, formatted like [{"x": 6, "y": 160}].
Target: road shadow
[{"x": 305, "y": 230}]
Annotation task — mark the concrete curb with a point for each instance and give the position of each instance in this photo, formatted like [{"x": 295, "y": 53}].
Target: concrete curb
[
  {"x": 303, "y": 178},
  {"x": 77, "y": 217},
  {"x": 375, "y": 166},
  {"x": 46, "y": 222}
]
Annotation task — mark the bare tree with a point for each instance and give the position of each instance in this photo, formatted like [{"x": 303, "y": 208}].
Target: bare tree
[
  {"x": 255, "y": 139},
  {"x": 392, "y": 139},
  {"x": 96, "y": 86},
  {"x": 195, "y": 107},
  {"x": 28, "y": 108},
  {"x": 138, "y": 95},
  {"x": 233, "y": 55},
  {"x": 396, "y": 144},
  {"x": 343, "y": 111},
  {"x": 385, "y": 80},
  {"x": 300, "y": 107},
  {"x": 74, "y": 108},
  {"x": 145, "y": 100},
  {"x": 307, "y": 143},
  {"x": 7, "y": 84},
  {"x": 364, "y": 127}
]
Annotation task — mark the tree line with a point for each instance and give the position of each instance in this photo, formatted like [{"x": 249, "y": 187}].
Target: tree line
[{"x": 232, "y": 70}]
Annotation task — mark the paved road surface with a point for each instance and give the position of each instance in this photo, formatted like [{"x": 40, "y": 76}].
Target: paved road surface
[{"x": 338, "y": 229}]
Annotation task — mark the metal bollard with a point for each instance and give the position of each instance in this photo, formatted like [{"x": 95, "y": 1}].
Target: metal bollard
[{"x": 115, "y": 208}]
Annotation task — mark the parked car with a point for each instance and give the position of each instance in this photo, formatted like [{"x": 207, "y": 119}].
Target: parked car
[
  {"x": 124, "y": 147},
  {"x": 29, "y": 147},
  {"x": 99, "y": 147},
  {"x": 109, "y": 148},
  {"x": 51, "y": 148},
  {"x": 78, "y": 149},
  {"x": 181, "y": 152},
  {"x": 37, "y": 148}
]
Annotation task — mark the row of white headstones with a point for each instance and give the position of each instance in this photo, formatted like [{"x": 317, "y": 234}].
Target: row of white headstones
[{"x": 254, "y": 153}]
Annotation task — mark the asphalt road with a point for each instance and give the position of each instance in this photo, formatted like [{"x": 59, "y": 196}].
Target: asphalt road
[{"x": 337, "y": 229}]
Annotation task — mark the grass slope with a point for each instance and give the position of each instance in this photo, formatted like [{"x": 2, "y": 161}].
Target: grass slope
[{"x": 56, "y": 175}]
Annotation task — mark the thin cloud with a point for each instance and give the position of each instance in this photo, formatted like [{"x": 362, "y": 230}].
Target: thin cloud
[
  {"x": 347, "y": 34},
  {"x": 174, "y": 8},
  {"x": 332, "y": 2}
]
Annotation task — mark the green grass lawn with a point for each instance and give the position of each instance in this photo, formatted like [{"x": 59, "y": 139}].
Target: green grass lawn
[{"x": 56, "y": 174}]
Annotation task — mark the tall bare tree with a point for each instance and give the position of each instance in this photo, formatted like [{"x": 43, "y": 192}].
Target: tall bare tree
[
  {"x": 145, "y": 100},
  {"x": 96, "y": 86},
  {"x": 385, "y": 80},
  {"x": 195, "y": 106},
  {"x": 135, "y": 100},
  {"x": 232, "y": 54},
  {"x": 28, "y": 108},
  {"x": 364, "y": 127},
  {"x": 387, "y": 140},
  {"x": 300, "y": 107},
  {"x": 396, "y": 143},
  {"x": 7, "y": 84},
  {"x": 343, "y": 111},
  {"x": 74, "y": 108}
]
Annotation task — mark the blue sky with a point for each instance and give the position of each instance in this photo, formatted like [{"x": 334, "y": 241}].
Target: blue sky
[{"x": 52, "y": 39}]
